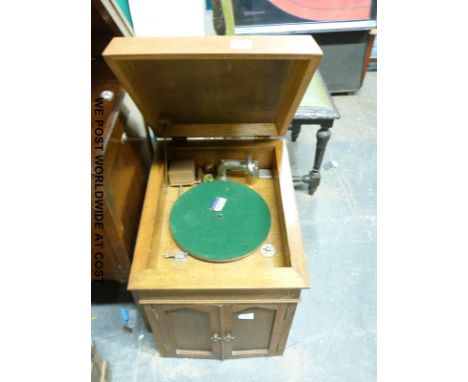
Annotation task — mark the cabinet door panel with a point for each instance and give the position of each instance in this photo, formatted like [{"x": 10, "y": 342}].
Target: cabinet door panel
[
  {"x": 252, "y": 330},
  {"x": 187, "y": 330},
  {"x": 191, "y": 329}
]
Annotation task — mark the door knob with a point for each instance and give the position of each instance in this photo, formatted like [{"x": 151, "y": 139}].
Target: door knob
[
  {"x": 215, "y": 337},
  {"x": 228, "y": 337}
]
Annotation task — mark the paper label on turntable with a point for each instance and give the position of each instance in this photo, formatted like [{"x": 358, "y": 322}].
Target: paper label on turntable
[{"x": 218, "y": 203}]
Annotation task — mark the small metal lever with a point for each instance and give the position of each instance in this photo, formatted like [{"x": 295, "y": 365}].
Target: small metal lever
[
  {"x": 178, "y": 256},
  {"x": 215, "y": 337}
]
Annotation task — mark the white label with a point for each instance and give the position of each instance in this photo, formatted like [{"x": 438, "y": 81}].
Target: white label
[
  {"x": 241, "y": 44},
  {"x": 218, "y": 204},
  {"x": 246, "y": 316}
]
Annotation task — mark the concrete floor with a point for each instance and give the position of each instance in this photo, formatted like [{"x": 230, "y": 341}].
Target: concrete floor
[{"x": 333, "y": 336}]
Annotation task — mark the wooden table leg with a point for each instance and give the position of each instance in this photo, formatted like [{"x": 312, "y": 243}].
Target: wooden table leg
[
  {"x": 323, "y": 136},
  {"x": 296, "y": 129},
  {"x": 313, "y": 177}
]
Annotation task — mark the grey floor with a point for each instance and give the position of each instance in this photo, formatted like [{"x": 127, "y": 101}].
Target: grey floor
[{"x": 333, "y": 336}]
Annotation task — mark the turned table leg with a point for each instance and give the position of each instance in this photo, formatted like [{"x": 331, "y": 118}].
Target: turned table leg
[
  {"x": 296, "y": 129},
  {"x": 323, "y": 136},
  {"x": 313, "y": 177}
]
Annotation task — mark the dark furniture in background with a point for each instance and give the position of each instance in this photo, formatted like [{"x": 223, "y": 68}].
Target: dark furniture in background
[
  {"x": 344, "y": 41},
  {"x": 316, "y": 108},
  {"x": 126, "y": 149},
  {"x": 344, "y": 59}
]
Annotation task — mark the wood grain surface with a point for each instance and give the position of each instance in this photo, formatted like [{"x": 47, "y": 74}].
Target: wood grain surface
[
  {"x": 215, "y": 86},
  {"x": 151, "y": 271}
]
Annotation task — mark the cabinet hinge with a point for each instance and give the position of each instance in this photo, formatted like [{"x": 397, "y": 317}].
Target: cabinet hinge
[
  {"x": 255, "y": 138},
  {"x": 263, "y": 137}
]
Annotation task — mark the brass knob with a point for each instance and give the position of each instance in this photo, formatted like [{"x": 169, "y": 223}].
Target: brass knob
[
  {"x": 107, "y": 95},
  {"x": 124, "y": 138},
  {"x": 215, "y": 337},
  {"x": 228, "y": 337}
]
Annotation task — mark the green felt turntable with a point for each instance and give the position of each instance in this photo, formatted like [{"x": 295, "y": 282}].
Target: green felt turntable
[{"x": 220, "y": 221}]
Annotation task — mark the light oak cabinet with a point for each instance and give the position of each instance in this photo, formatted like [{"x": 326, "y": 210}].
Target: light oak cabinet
[
  {"x": 209, "y": 99},
  {"x": 220, "y": 330}
]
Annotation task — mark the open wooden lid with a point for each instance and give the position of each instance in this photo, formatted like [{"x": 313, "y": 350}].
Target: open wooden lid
[{"x": 216, "y": 86}]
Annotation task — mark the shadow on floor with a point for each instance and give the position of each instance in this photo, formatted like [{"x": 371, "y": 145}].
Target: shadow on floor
[{"x": 108, "y": 292}]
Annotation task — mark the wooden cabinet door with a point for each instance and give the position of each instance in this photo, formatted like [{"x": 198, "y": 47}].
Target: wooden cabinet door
[
  {"x": 255, "y": 330},
  {"x": 186, "y": 330}
]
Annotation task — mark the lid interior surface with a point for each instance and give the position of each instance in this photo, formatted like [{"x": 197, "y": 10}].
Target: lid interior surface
[{"x": 207, "y": 94}]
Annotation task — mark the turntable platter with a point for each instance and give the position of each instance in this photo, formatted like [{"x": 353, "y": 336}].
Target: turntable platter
[{"x": 220, "y": 221}]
